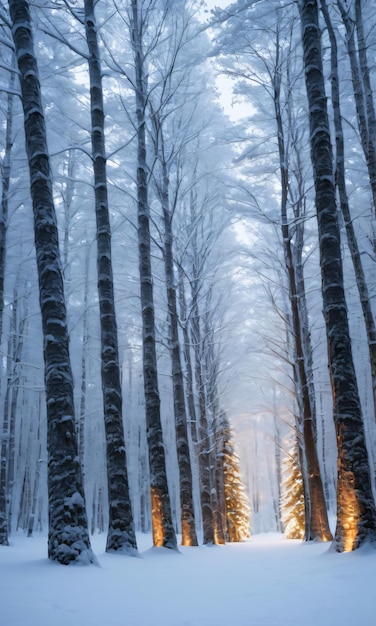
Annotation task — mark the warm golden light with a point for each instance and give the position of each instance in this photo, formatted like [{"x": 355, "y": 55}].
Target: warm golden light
[
  {"x": 185, "y": 534},
  {"x": 349, "y": 513},
  {"x": 157, "y": 518}
]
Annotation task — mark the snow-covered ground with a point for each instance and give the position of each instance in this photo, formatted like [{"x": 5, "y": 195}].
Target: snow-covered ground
[{"x": 266, "y": 581}]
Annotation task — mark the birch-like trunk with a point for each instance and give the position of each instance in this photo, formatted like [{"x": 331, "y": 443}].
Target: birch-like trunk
[
  {"x": 121, "y": 534},
  {"x": 68, "y": 537},
  {"x": 356, "y": 513},
  {"x": 163, "y": 528},
  {"x": 361, "y": 281}
]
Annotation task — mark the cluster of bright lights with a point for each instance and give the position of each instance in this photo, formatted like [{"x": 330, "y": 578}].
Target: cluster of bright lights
[
  {"x": 293, "y": 514},
  {"x": 237, "y": 506}
]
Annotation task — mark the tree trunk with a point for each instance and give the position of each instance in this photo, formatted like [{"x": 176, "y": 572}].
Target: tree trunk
[
  {"x": 187, "y": 360},
  {"x": 344, "y": 204},
  {"x": 203, "y": 446},
  {"x": 68, "y": 539},
  {"x": 367, "y": 144},
  {"x": 188, "y": 527},
  {"x": 367, "y": 90},
  {"x": 84, "y": 355},
  {"x": 121, "y": 534},
  {"x": 356, "y": 513},
  {"x": 163, "y": 528},
  {"x": 5, "y": 180},
  {"x": 317, "y": 526}
]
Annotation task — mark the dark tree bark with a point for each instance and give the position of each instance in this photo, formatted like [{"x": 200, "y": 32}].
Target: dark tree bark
[
  {"x": 317, "y": 524},
  {"x": 344, "y": 204},
  {"x": 68, "y": 538},
  {"x": 356, "y": 513},
  {"x": 364, "y": 105},
  {"x": 121, "y": 534},
  {"x": 188, "y": 528},
  {"x": 163, "y": 528}
]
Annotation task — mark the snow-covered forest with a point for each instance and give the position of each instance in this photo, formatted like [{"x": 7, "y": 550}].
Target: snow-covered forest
[{"x": 187, "y": 271}]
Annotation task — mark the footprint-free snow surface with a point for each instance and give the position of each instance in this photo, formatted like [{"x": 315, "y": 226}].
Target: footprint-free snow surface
[{"x": 265, "y": 581}]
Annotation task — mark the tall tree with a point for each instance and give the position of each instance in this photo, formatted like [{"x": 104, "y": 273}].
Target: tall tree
[
  {"x": 363, "y": 94},
  {"x": 269, "y": 66},
  {"x": 317, "y": 524},
  {"x": 68, "y": 537},
  {"x": 121, "y": 534},
  {"x": 163, "y": 529},
  {"x": 340, "y": 178},
  {"x": 171, "y": 107},
  {"x": 188, "y": 528},
  {"x": 356, "y": 512},
  {"x": 5, "y": 168}
]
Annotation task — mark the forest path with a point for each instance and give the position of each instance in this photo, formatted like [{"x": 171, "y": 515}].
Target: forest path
[{"x": 265, "y": 581}]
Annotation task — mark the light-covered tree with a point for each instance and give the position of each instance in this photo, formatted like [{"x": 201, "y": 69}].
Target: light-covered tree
[
  {"x": 236, "y": 500},
  {"x": 292, "y": 504}
]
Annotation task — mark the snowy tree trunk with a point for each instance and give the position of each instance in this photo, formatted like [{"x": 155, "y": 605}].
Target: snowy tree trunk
[
  {"x": 317, "y": 524},
  {"x": 187, "y": 359},
  {"x": 67, "y": 200},
  {"x": 163, "y": 528},
  {"x": 278, "y": 463},
  {"x": 68, "y": 540},
  {"x": 210, "y": 365},
  {"x": 356, "y": 513},
  {"x": 15, "y": 346},
  {"x": 5, "y": 181},
  {"x": 121, "y": 534},
  {"x": 188, "y": 528},
  {"x": 368, "y": 92},
  {"x": 35, "y": 488},
  {"x": 368, "y": 146},
  {"x": 204, "y": 461},
  {"x": 344, "y": 204},
  {"x": 84, "y": 355}
]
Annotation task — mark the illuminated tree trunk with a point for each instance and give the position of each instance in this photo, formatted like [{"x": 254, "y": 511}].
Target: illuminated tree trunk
[
  {"x": 293, "y": 509},
  {"x": 317, "y": 524},
  {"x": 188, "y": 528},
  {"x": 68, "y": 539},
  {"x": 121, "y": 534},
  {"x": 356, "y": 513},
  {"x": 163, "y": 528}
]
